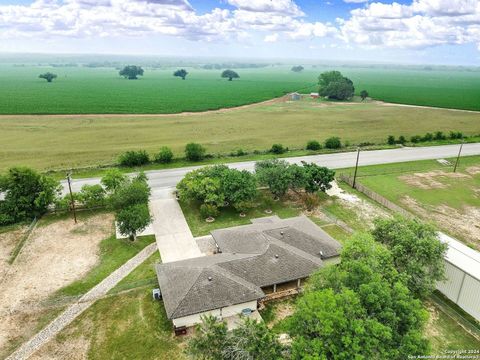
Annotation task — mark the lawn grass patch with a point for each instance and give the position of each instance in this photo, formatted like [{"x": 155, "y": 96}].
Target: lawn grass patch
[
  {"x": 125, "y": 326},
  {"x": 113, "y": 253},
  {"x": 229, "y": 217}
]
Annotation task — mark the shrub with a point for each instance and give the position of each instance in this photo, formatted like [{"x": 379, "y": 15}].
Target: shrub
[
  {"x": 239, "y": 152},
  {"x": 402, "y": 140},
  {"x": 112, "y": 179},
  {"x": 313, "y": 145},
  {"x": 134, "y": 158},
  {"x": 92, "y": 196},
  {"x": 278, "y": 149},
  {"x": 243, "y": 206},
  {"x": 439, "y": 136},
  {"x": 194, "y": 152},
  {"x": 333, "y": 143},
  {"x": 391, "y": 140},
  {"x": 164, "y": 156},
  {"x": 428, "y": 137},
  {"x": 310, "y": 200},
  {"x": 416, "y": 139},
  {"x": 456, "y": 135},
  {"x": 209, "y": 210}
]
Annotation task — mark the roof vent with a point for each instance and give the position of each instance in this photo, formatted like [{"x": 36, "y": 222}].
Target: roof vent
[
  {"x": 276, "y": 256},
  {"x": 209, "y": 278},
  {"x": 281, "y": 233},
  {"x": 321, "y": 254}
]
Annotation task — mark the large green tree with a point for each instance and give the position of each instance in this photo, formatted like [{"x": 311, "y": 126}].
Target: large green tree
[
  {"x": 317, "y": 178},
  {"x": 48, "y": 76},
  {"x": 238, "y": 186},
  {"x": 275, "y": 174},
  {"x": 131, "y": 72},
  {"x": 335, "y": 86},
  {"x": 182, "y": 73},
  {"x": 230, "y": 74},
  {"x": 133, "y": 219},
  {"x": 112, "y": 179},
  {"x": 417, "y": 252},
  {"x": 250, "y": 340},
  {"x": 359, "y": 309},
  {"x": 27, "y": 194},
  {"x": 130, "y": 192}
]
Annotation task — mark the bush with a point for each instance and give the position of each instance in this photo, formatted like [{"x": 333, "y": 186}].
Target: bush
[
  {"x": 209, "y": 210},
  {"x": 130, "y": 193},
  {"x": 456, "y": 135},
  {"x": 243, "y": 206},
  {"x": 439, "y": 136},
  {"x": 239, "y": 152},
  {"x": 333, "y": 143},
  {"x": 416, "y": 139},
  {"x": 313, "y": 145},
  {"x": 391, "y": 140},
  {"x": 428, "y": 137},
  {"x": 134, "y": 158},
  {"x": 402, "y": 140},
  {"x": 164, "y": 156},
  {"x": 194, "y": 152},
  {"x": 278, "y": 149},
  {"x": 92, "y": 196},
  {"x": 310, "y": 200}
]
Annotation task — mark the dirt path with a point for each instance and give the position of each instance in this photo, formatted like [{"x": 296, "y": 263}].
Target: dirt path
[{"x": 54, "y": 256}]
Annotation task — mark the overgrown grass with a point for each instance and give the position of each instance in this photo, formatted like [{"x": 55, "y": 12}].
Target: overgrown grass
[
  {"x": 230, "y": 217},
  {"x": 93, "y": 141}
]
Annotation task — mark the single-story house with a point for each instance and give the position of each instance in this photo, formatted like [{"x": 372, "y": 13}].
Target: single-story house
[
  {"x": 265, "y": 258},
  {"x": 314, "y": 95}
]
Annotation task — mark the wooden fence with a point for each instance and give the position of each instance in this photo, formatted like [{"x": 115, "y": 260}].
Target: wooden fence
[{"x": 376, "y": 197}]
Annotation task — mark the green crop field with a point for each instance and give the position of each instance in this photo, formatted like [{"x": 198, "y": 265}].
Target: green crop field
[
  {"x": 84, "y": 90},
  {"x": 59, "y": 142}
]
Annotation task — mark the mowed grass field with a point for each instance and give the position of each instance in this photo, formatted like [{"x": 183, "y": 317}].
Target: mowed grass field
[
  {"x": 83, "y": 90},
  {"x": 60, "y": 142}
]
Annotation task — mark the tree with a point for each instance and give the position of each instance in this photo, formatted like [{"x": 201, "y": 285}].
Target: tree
[
  {"x": 112, "y": 179},
  {"x": 359, "y": 309},
  {"x": 164, "y": 156},
  {"x": 391, "y": 140},
  {"x": 335, "y": 86},
  {"x": 131, "y": 72},
  {"x": 274, "y": 174},
  {"x": 317, "y": 177},
  {"x": 133, "y": 219},
  {"x": 204, "y": 185},
  {"x": 333, "y": 143},
  {"x": 239, "y": 186},
  {"x": 363, "y": 94},
  {"x": 181, "y": 73},
  {"x": 129, "y": 193},
  {"x": 230, "y": 74},
  {"x": 417, "y": 252},
  {"x": 313, "y": 145},
  {"x": 278, "y": 149},
  {"x": 194, "y": 152},
  {"x": 27, "y": 194},
  {"x": 48, "y": 76},
  {"x": 402, "y": 140},
  {"x": 298, "y": 68},
  {"x": 92, "y": 196},
  {"x": 250, "y": 340}
]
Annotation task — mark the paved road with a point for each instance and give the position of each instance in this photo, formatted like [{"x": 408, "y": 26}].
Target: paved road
[{"x": 160, "y": 180}]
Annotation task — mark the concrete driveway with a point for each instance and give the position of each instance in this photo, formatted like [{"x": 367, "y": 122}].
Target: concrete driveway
[{"x": 174, "y": 238}]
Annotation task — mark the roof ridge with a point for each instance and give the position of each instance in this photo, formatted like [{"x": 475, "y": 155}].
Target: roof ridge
[
  {"x": 238, "y": 279},
  {"x": 188, "y": 290},
  {"x": 295, "y": 250}
]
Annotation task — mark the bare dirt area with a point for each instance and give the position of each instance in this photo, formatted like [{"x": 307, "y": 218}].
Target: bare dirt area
[
  {"x": 431, "y": 180},
  {"x": 8, "y": 241},
  {"x": 473, "y": 170},
  {"x": 463, "y": 224},
  {"x": 55, "y": 255}
]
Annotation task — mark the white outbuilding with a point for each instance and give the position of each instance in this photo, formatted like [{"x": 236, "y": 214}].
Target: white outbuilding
[{"x": 462, "y": 269}]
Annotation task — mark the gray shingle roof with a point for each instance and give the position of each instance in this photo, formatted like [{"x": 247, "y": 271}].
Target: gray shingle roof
[{"x": 254, "y": 256}]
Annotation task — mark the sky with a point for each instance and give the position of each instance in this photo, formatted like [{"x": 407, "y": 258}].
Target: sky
[{"x": 405, "y": 31}]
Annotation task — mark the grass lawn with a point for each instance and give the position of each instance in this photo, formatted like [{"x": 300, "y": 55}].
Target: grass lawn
[
  {"x": 229, "y": 217},
  {"x": 125, "y": 326},
  {"x": 113, "y": 254},
  {"x": 66, "y": 142}
]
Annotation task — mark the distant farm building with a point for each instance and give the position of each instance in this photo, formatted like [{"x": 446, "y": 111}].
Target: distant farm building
[
  {"x": 314, "y": 95},
  {"x": 462, "y": 270},
  {"x": 295, "y": 96}
]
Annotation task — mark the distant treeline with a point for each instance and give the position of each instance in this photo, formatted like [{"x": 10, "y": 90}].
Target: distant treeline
[{"x": 234, "y": 66}]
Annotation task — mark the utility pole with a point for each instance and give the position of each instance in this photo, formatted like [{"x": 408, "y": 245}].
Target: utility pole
[
  {"x": 458, "y": 157},
  {"x": 356, "y": 168},
  {"x": 69, "y": 179}
]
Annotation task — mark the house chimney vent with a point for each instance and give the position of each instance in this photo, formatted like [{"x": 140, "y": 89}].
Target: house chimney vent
[
  {"x": 276, "y": 256},
  {"x": 209, "y": 278},
  {"x": 321, "y": 254}
]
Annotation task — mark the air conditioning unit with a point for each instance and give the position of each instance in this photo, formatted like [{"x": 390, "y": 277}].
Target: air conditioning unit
[{"x": 157, "y": 294}]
